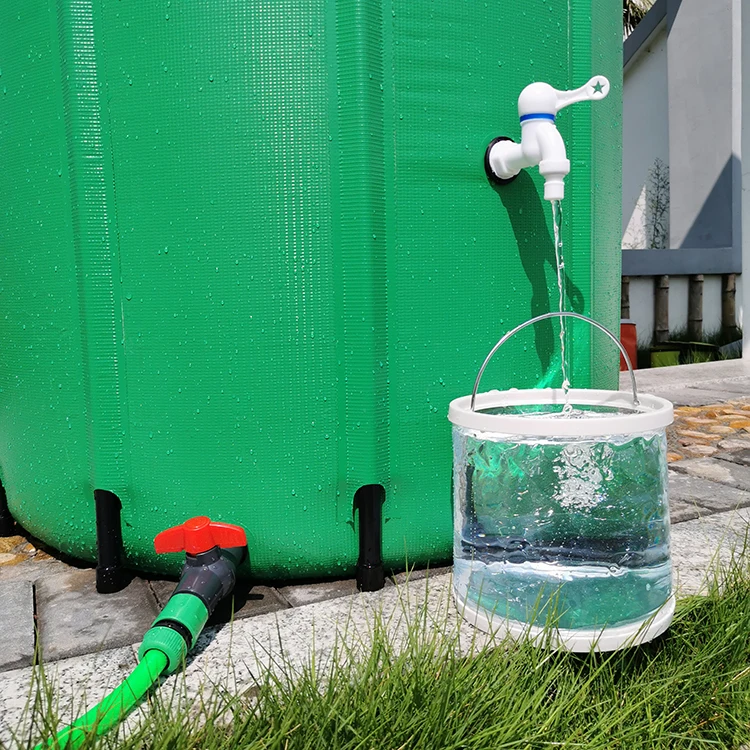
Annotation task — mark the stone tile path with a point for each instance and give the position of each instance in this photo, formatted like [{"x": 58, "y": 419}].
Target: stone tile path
[{"x": 700, "y": 431}]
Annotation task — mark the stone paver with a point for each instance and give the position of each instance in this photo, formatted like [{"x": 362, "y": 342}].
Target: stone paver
[
  {"x": 78, "y": 683},
  {"x": 680, "y": 510},
  {"x": 702, "y": 547},
  {"x": 696, "y": 491},
  {"x": 17, "y": 624},
  {"x": 418, "y": 575},
  {"x": 248, "y": 600},
  {"x": 309, "y": 593},
  {"x": 735, "y": 444},
  {"x": 74, "y": 619},
  {"x": 715, "y": 470},
  {"x": 703, "y": 431},
  {"x": 18, "y": 549},
  {"x": 709, "y": 453}
]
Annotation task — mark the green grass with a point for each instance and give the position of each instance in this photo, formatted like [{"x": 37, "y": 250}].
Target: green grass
[
  {"x": 689, "y": 689},
  {"x": 717, "y": 338}
]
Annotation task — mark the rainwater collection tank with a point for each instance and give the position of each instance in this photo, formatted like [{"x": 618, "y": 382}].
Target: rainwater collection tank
[{"x": 249, "y": 254}]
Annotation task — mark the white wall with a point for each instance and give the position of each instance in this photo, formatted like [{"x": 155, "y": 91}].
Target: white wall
[
  {"x": 712, "y": 303},
  {"x": 738, "y": 299},
  {"x": 678, "y": 301},
  {"x": 646, "y": 139},
  {"x": 642, "y": 307},
  {"x": 645, "y": 130}
]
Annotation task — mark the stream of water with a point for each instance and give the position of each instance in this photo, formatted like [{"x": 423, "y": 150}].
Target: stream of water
[{"x": 557, "y": 219}]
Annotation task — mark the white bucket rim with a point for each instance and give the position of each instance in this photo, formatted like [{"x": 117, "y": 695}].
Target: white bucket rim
[{"x": 651, "y": 414}]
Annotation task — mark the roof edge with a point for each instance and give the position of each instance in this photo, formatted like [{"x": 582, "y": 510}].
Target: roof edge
[{"x": 651, "y": 23}]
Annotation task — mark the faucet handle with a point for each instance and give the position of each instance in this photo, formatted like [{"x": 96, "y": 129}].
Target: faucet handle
[
  {"x": 199, "y": 534},
  {"x": 541, "y": 101},
  {"x": 593, "y": 90}
]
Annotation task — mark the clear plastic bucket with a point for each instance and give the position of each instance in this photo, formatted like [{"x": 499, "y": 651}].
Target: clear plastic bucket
[{"x": 561, "y": 516}]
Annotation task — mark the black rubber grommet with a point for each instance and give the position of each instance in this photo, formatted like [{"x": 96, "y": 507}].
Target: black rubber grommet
[{"x": 491, "y": 176}]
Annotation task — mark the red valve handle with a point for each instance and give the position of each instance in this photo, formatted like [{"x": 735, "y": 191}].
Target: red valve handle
[{"x": 199, "y": 534}]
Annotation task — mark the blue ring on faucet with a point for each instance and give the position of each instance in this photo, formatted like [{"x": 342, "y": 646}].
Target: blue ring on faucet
[{"x": 538, "y": 116}]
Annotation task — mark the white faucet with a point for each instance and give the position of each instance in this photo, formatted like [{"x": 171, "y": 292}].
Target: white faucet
[{"x": 541, "y": 142}]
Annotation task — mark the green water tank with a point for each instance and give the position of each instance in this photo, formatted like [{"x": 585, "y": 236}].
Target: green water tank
[{"x": 249, "y": 254}]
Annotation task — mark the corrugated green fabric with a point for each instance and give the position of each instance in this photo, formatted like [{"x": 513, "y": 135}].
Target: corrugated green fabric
[{"x": 249, "y": 254}]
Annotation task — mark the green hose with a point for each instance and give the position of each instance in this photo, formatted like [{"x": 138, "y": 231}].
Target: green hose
[
  {"x": 115, "y": 706},
  {"x": 172, "y": 634}
]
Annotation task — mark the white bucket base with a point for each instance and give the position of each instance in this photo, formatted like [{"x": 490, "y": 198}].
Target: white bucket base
[{"x": 578, "y": 641}]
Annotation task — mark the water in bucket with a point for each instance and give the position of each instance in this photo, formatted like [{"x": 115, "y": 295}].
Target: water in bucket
[{"x": 575, "y": 531}]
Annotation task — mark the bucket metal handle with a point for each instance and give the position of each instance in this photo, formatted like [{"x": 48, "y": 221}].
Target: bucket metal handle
[{"x": 578, "y": 316}]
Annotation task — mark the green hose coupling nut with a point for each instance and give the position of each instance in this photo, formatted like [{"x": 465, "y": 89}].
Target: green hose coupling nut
[
  {"x": 188, "y": 610},
  {"x": 169, "y": 642},
  {"x": 189, "y": 615}
]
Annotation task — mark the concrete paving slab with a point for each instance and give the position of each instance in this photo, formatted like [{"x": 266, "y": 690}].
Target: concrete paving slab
[
  {"x": 721, "y": 472},
  {"x": 695, "y": 385},
  {"x": 679, "y": 376},
  {"x": 74, "y": 619},
  {"x": 735, "y": 386},
  {"x": 700, "y": 547},
  {"x": 329, "y": 632},
  {"x": 32, "y": 570},
  {"x": 17, "y": 624},
  {"x": 694, "y": 490},
  {"x": 680, "y": 511},
  {"x": 687, "y": 396},
  {"x": 418, "y": 575},
  {"x": 77, "y": 684},
  {"x": 162, "y": 591},
  {"x": 302, "y": 594},
  {"x": 247, "y": 601},
  {"x": 741, "y": 456}
]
